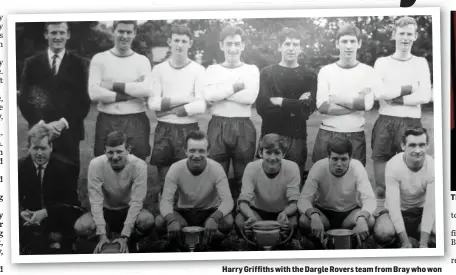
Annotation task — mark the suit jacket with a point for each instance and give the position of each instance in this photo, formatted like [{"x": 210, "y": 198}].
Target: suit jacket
[
  {"x": 44, "y": 96},
  {"x": 59, "y": 187}
]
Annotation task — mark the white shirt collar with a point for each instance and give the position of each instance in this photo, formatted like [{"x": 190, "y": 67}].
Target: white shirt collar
[
  {"x": 43, "y": 165},
  {"x": 51, "y": 54}
]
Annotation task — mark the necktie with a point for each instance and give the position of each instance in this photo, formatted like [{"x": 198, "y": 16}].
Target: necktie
[
  {"x": 54, "y": 64},
  {"x": 39, "y": 173}
]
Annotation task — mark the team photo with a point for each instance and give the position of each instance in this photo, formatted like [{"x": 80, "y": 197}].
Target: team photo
[{"x": 227, "y": 135}]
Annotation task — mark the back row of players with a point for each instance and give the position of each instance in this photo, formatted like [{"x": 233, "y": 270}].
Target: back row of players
[{"x": 286, "y": 94}]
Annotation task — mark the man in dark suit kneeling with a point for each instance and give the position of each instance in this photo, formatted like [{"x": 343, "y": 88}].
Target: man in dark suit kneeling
[{"x": 48, "y": 199}]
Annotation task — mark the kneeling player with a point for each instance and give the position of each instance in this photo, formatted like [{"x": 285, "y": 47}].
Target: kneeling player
[
  {"x": 204, "y": 195},
  {"x": 409, "y": 178},
  {"x": 48, "y": 199},
  {"x": 117, "y": 183},
  {"x": 329, "y": 196},
  {"x": 270, "y": 187}
]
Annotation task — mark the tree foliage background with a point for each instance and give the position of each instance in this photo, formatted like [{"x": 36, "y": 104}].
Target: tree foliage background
[{"x": 318, "y": 43}]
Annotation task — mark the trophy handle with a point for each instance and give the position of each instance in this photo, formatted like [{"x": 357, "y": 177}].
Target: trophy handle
[
  {"x": 245, "y": 238},
  {"x": 289, "y": 236}
]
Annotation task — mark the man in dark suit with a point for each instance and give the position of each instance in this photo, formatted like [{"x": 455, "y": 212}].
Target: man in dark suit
[
  {"x": 48, "y": 198},
  {"x": 54, "y": 89}
]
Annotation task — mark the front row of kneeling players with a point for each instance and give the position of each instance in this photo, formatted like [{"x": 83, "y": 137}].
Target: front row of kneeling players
[{"x": 336, "y": 194}]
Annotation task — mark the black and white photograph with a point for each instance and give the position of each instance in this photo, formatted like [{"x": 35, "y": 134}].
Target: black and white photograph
[{"x": 226, "y": 135}]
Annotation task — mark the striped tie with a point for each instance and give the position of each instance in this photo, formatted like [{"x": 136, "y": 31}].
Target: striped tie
[{"x": 54, "y": 64}]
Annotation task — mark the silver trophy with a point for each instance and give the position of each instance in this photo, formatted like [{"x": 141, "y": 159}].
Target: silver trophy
[
  {"x": 267, "y": 234},
  {"x": 192, "y": 236},
  {"x": 341, "y": 239}
]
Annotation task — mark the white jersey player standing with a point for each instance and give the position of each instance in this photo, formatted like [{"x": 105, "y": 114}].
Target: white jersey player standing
[
  {"x": 231, "y": 88},
  {"x": 406, "y": 84}
]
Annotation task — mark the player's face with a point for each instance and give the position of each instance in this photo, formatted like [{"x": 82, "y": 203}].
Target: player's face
[
  {"x": 272, "y": 160},
  {"x": 57, "y": 36},
  {"x": 405, "y": 36},
  {"x": 124, "y": 34},
  {"x": 338, "y": 164},
  {"x": 117, "y": 156},
  {"x": 348, "y": 46},
  {"x": 232, "y": 47},
  {"x": 415, "y": 148},
  {"x": 40, "y": 150},
  {"x": 197, "y": 152},
  {"x": 179, "y": 44},
  {"x": 290, "y": 49}
]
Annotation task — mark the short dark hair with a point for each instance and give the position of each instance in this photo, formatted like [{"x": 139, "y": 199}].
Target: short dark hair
[
  {"x": 181, "y": 29},
  {"x": 47, "y": 24},
  {"x": 232, "y": 31},
  {"x": 339, "y": 145},
  {"x": 38, "y": 132},
  {"x": 289, "y": 33},
  {"x": 127, "y": 22},
  {"x": 415, "y": 131},
  {"x": 271, "y": 141},
  {"x": 349, "y": 29},
  {"x": 116, "y": 138},
  {"x": 197, "y": 135}
]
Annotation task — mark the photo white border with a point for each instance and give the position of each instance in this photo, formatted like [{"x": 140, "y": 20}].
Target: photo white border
[{"x": 235, "y": 255}]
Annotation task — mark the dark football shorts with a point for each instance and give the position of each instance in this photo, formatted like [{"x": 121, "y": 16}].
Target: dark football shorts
[
  {"x": 136, "y": 126},
  {"x": 357, "y": 139},
  {"x": 387, "y": 135},
  {"x": 336, "y": 218},
  {"x": 296, "y": 151},
  {"x": 232, "y": 139},
  {"x": 169, "y": 143}
]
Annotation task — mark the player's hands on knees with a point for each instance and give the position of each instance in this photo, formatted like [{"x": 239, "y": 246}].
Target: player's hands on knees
[
  {"x": 101, "y": 242},
  {"x": 316, "y": 226},
  {"x": 361, "y": 229},
  {"x": 249, "y": 222},
  {"x": 282, "y": 218},
  {"x": 174, "y": 229},
  {"x": 210, "y": 227},
  {"x": 405, "y": 242},
  {"x": 123, "y": 242}
]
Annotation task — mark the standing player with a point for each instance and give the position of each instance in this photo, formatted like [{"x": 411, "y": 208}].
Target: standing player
[
  {"x": 345, "y": 91},
  {"x": 176, "y": 96},
  {"x": 287, "y": 98},
  {"x": 121, "y": 108},
  {"x": 232, "y": 87},
  {"x": 406, "y": 85},
  {"x": 54, "y": 89}
]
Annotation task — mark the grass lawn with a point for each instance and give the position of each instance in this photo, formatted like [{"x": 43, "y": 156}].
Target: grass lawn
[{"x": 153, "y": 188}]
